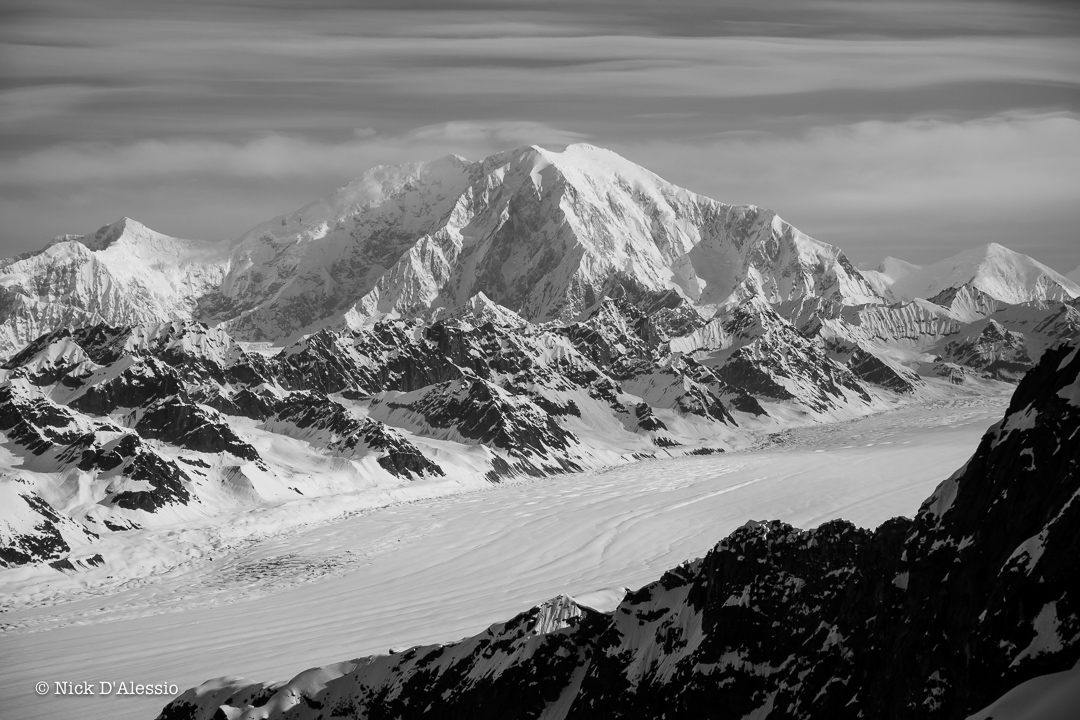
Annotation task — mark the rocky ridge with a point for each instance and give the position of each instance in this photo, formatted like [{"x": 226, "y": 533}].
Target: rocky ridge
[{"x": 201, "y": 425}]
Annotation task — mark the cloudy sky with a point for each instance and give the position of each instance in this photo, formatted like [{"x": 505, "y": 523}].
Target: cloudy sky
[{"x": 913, "y": 129}]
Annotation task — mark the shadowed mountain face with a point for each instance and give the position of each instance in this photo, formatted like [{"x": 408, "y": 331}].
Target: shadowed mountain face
[{"x": 931, "y": 617}]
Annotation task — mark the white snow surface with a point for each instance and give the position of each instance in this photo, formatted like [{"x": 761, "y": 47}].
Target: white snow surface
[
  {"x": 281, "y": 588},
  {"x": 1048, "y": 697},
  {"x": 1004, "y": 274}
]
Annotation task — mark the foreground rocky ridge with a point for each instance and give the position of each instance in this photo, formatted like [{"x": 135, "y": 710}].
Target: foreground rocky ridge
[{"x": 931, "y": 617}]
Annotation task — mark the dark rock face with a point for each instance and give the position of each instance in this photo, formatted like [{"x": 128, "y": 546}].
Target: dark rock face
[
  {"x": 999, "y": 537},
  {"x": 36, "y": 423},
  {"x": 42, "y": 542},
  {"x": 933, "y": 617},
  {"x": 193, "y": 427},
  {"x": 141, "y": 383},
  {"x": 777, "y": 361},
  {"x": 482, "y": 412},
  {"x": 869, "y": 367},
  {"x": 128, "y": 457},
  {"x": 58, "y": 439},
  {"x": 313, "y": 416},
  {"x": 611, "y": 338},
  {"x": 996, "y": 351},
  {"x": 720, "y": 391}
]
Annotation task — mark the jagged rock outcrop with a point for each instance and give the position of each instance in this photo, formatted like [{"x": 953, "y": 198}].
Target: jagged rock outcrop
[
  {"x": 30, "y": 532},
  {"x": 314, "y": 417},
  {"x": 161, "y": 416},
  {"x": 996, "y": 351},
  {"x": 931, "y": 617},
  {"x": 769, "y": 357},
  {"x": 190, "y": 426},
  {"x": 131, "y": 475}
]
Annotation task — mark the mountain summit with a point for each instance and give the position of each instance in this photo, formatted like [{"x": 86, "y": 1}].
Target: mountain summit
[
  {"x": 993, "y": 269},
  {"x": 125, "y": 274},
  {"x": 546, "y": 234}
]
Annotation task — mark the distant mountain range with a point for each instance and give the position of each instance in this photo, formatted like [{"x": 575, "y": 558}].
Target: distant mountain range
[
  {"x": 532, "y": 313},
  {"x": 931, "y": 617}
]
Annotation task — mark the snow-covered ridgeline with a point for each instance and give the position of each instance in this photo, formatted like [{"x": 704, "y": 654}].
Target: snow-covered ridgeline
[{"x": 997, "y": 271}]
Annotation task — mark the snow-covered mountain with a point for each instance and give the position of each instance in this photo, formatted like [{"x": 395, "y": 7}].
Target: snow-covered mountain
[
  {"x": 984, "y": 274},
  {"x": 932, "y": 617},
  {"x": 1074, "y": 275},
  {"x": 545, "y": 234},
  {"x": 124, "y": 273}
]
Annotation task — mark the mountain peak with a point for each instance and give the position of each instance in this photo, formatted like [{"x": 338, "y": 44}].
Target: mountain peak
[
  {"x": 1003, "y": 274},
  {"x": 544, "y": 233},
  {"x": 109, "y": 234}
]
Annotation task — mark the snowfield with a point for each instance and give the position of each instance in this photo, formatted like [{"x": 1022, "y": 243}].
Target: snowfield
[{"x": 309, "y": 592}]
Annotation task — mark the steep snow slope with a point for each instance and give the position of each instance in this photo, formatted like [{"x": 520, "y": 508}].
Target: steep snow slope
[
  {"x": 294, "y": 270},
  {"x": 546, "y": 234},
  {"x": 1074, "y": 275},
  {"x": 1003, "y": 274},
  {"x": 1054, "y": 696},
  {"x": 124, "y": 273}
]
